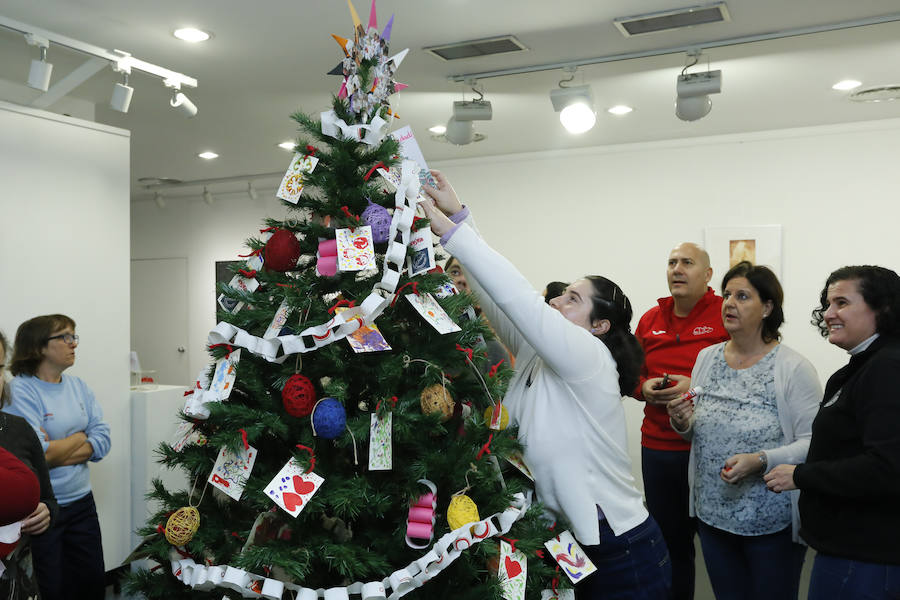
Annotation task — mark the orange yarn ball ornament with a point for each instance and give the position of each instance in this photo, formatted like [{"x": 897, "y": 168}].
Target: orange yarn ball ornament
[
  {"x": 182, "y": 525},
  {"x": 436, "y": 399}
]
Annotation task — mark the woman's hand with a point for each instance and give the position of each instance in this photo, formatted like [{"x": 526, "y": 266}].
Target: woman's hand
[
  {"x": 38, "y": 521},
  {"x": 440, "y": 224},
  {"x": 443, "y": 195},
  {"x": 662, "y": 396},
  {"x": 740, "y": 466},
  {"x": 781, "y": 479},
  {"x": 680, "y": 411}
]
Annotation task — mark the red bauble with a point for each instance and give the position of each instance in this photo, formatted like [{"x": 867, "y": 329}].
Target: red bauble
[
  {"x": 282, "y": 251},
  {"x": 299, "y": 396}
]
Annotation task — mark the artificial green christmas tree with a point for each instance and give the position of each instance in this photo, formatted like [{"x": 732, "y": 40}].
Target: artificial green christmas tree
[{"x": 340, "y": 444}]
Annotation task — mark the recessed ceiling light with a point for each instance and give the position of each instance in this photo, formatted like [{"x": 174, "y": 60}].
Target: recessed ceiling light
[
  {"x": 847, "y": 84},
  {"x": 287, "y": 145},
  {"x": 619, "y": 109},
  {"x": 438, "y": 129},
  {"x": 189, "y": 34},
  {"x": 208, "y": 155}
]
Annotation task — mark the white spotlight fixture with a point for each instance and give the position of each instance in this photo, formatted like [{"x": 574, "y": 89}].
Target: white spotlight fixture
[
  {"x": 159, "y": 199},
  {"x": 619, "y": 110},
  {"x": 208, "y": 155},
  {"x": 192, "y": 35},
  {"x": 289, "y": 145},
  {"x": 39, "y": 74},
  {"x": 693, "y": 90},
  {"x": 207, "y": 196},
  {"x": 121, "y": 96},
  {"x": 575, "y": 106},
  {"x": 461, "y": 126},
  {"x": 179, "y": 101},
  {"x": 846, "y": 85},
  {"x": 251, "y": 192}
]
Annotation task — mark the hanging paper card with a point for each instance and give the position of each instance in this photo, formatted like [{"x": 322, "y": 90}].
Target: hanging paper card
[
  {"x": 279, "y": 322},
  {"x": 223, "y": 378},
  {"x": 231, "y": 471},
  {"x": 187, "y": 434},
  {"x": 566, "y": 551},
  {"x": 380, "y": 450},
  {"x": 422, "y": 259},
  {"x": 512, "y": 571},
  {"x": 558, "y": 595},
  {"x": 291, "y": 489},
  {"x": 410, "y": 149},
  {"x": 292, "y": 184},
  {"x": 431, "y": 311},
  {"x": 367, "y": 338},
  {"x": 516, "y": 460},
  {"x": 239, "y": 283},
  {"x": 355, "y": 249},
  {"x": 392, "y": 179},
  {"x": 446, "y": 290}
]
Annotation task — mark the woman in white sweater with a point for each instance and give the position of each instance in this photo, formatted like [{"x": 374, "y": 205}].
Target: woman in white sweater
[{"x": 573, "y": 359}]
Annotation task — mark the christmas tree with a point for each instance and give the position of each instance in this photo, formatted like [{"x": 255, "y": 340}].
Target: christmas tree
[{"x": 345, "y": 439}]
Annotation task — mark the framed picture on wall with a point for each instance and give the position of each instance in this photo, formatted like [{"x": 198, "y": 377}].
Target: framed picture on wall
[{"x": 728, "y": 246}]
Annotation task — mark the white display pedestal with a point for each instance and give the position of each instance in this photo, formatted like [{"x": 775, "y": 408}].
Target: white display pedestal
[{"x": 153, "y": 420}]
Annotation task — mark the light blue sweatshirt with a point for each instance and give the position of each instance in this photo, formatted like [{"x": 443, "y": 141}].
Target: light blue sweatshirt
[{"x": 62, "y": 409}]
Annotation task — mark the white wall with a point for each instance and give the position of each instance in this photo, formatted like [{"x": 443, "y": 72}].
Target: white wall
[
  {"x": 65, "y": 248},
  {"x": 618, "y": 210}
]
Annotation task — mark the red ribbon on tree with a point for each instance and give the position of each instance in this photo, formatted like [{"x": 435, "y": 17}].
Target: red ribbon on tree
[
  {"x": 312, "y": 457},
  {"x": 189, "y": 392},
  {"x": 256, "y": 252},
  {"x": 227, "y": 354},
  {"x": 493, "y": 370},
  {"x": 248, "y": 274},
  {"x": 486, "y": 448},
  {"x": 372, "y": 170},
  {"x": 268, "y": 229},
  {"x": 393, "y": 404},
  {"x": 284, "y": 285},
  {"x": 466, "y": 351},
  {"x": 512, "y": 542},
  {"x": 244, "y": 439},
  {"x": 415, "y": 289},
  {"x": 340, "y": 303},
  {"x": 310, "y": 150}
]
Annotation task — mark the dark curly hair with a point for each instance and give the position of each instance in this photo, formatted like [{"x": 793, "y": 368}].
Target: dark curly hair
[
  {"x": 769, "y": 289},
  {"x": 611, "y": 303},
  {"x": 879, "y": 287}
]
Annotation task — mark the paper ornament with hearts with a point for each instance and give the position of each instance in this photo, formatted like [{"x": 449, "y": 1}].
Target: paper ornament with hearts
[
  {"x": 512, "y": 571},
  {"x": 292, "y": 488}
]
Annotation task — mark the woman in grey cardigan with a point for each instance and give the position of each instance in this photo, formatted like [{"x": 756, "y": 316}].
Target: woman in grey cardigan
[{"x": 755, "y": 410}]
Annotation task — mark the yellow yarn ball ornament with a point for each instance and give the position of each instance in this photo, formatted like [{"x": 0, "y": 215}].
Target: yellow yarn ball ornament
[
  {"x": 436, "y": 399},
  {"x": 504, "y": 416},
  {"x": 182, "y": 525},
  {"x": 462, "y": 510}
]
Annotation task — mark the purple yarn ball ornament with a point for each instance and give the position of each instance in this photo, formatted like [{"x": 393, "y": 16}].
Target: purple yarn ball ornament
[
  {"x": 329, "y": 418},
  {"x": 379, "y": 219}
]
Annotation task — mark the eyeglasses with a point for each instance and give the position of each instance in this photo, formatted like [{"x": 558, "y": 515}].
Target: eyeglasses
[{"x": 69, "y": 338}]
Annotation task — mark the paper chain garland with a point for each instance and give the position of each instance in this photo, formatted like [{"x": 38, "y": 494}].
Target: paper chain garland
[
  {"x": 400, "y": 582},
  {"x": 277, "y": 349}
]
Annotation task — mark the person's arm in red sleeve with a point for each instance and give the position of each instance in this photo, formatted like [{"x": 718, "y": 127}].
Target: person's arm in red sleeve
[{"x": 21, "y": 491}]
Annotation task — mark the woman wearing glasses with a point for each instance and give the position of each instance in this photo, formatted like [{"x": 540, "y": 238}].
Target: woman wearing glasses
[{"x": 69, "y": 422}]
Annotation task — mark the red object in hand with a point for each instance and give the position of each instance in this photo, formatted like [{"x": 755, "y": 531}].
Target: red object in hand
[{"x": 282, "y": 251}]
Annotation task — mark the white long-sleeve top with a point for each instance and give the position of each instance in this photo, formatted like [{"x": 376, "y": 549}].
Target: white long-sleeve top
[{"x": 564, "y": 397}]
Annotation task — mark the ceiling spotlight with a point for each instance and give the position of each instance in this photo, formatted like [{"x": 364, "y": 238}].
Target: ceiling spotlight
[
  {"x": 207, "y": 196},
  {"x": 251, "y": 192},
  {"x": 160, "y": 201},
  {"x": 121, "y": 96},
  {"x": 208, "y": 155},
  {"x": 461, "y": 126},
  {"x": 619, "y": 110},
  {"x": 438, "y": 129},
  {"x": 575, "y": 106},
  {"x": 39, "y": 74},
  {"x": 693, "y": 90},
  {"x": 179, "y": 100},
  {"x": 287, "y": 145},
  {"x": 190, "y": 34},
  {"x": 846, "y": 85}
]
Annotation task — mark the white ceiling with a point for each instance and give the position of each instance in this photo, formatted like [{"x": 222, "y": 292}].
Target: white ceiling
[{"x": 270, "y": 57}]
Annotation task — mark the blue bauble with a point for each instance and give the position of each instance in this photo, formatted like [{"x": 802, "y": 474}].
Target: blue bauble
[
  {"x": 329, "y": 418},
  {"x": 379, "y": 219}
]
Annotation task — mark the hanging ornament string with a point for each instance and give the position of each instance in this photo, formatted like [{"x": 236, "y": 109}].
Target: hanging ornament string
[
  {"x": 408, "y": 361},
  {"x": 472, "y": 469},
  {"x": 468, "y": 353},
  {"x": 415, "y": 289},
  {"x": 373, "y": 169},
  {"x": 312, "y": 457},
  {"x": 353, "y": 437}
]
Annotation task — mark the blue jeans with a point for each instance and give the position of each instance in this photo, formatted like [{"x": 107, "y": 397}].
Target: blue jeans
[
  {"x": 666, "y": 489},
  {"x": 752, "y": 567},
  {"x": 844, "y": 579},
  {"x": 69, "y": 555},
  {"x": 632, "y": 566}
]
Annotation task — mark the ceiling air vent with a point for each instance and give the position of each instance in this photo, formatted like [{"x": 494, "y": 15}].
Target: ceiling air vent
[
  {"x": 473, "y": 48},
  {"x": 672, "y": 19}
]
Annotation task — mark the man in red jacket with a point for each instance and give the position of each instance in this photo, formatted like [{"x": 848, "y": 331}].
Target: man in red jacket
[{"x": 672, "y": 334}]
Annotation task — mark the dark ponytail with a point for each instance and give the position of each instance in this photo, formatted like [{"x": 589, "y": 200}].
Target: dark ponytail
[{"x": 611, "y": 303}]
